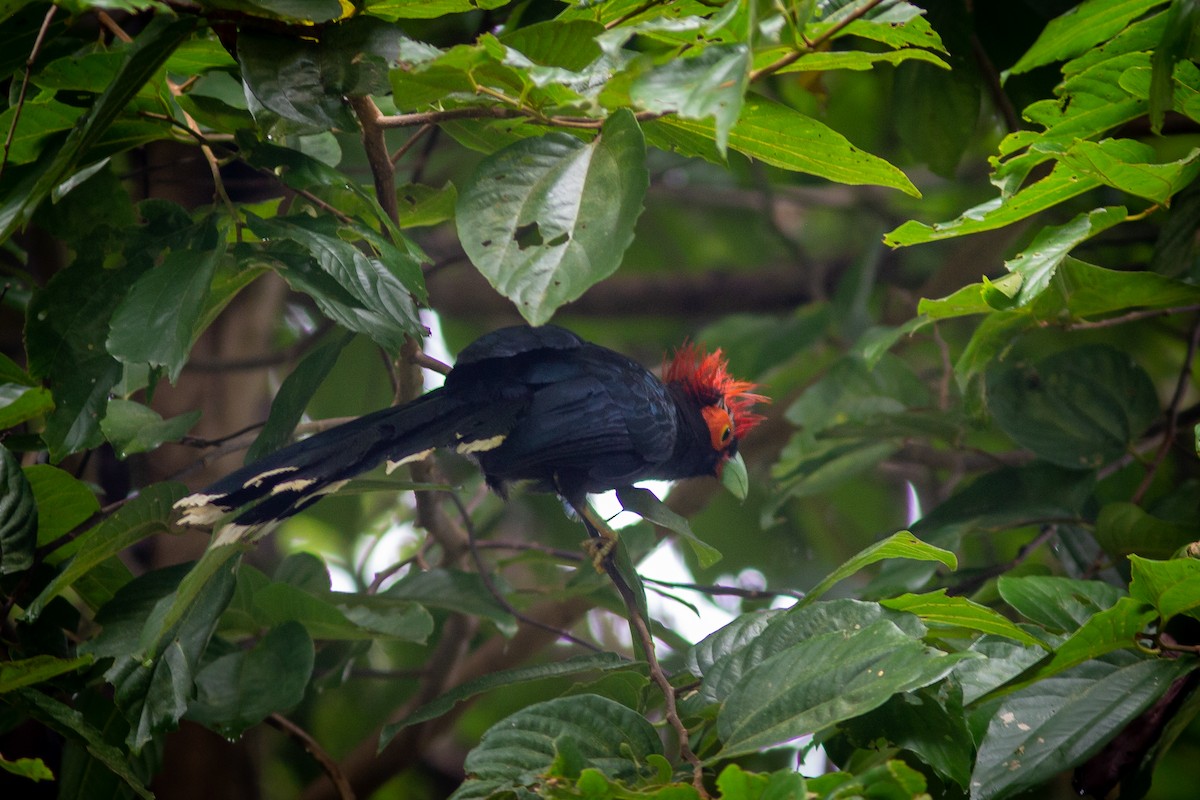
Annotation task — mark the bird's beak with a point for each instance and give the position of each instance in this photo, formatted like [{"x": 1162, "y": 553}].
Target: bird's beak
[{"x": 732, "y": 473}]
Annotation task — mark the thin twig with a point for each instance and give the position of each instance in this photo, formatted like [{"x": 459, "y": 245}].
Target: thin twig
[
  {"x": 489, "y": 584},
  {"x": 595, "y": 525},
  {"x": 29, "y": 62},
  {"x": 795, "y": 55},
  {"x": 1132, "y": 316},
  {"x": 717, "y": 590},
  {"x": 331, "y": 767},
  {"x": 969, "y": 585},
  {"x": 426, "y": 361},
  {"x": 1172, "y": 427},
  {"x": 412, "y": 141}
]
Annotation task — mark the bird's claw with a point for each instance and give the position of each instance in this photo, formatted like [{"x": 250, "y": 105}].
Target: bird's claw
[{"x": 600, "y": 547}]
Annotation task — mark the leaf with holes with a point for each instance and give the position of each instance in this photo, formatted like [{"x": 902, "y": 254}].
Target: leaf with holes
[{"x": 544, "y": 219}]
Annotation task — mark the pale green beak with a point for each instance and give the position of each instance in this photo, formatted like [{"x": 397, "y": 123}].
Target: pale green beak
[{"x": 734, "y": 477}]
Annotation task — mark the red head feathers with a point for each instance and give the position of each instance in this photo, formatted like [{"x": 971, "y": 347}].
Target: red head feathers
[{"x": 705, "y": 377}]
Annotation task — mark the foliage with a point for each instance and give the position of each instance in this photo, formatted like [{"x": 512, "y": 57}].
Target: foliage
[{"x": 1038, "y": 410}]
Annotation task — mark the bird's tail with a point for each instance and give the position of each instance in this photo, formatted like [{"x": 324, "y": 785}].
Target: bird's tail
[{"x": 296, "y": 476}]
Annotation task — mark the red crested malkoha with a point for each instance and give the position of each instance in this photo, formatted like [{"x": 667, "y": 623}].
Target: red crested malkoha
[{"x": 533, "y": 406}]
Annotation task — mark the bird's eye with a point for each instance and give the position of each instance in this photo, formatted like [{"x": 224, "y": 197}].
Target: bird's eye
[
  {"x": 726, "y": 434},
  {"x": 720, "y": 427}
]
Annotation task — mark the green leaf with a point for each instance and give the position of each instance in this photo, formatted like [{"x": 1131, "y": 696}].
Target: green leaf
[
  {"x": 153, "y": 45},
  {"x": 710, "y": 84},
  {"x": 1115, "y": 628},
  {"x": 929, "y": 722},
  {"x": 726, "y": 657},
  {"x": 932, "y": 97},
  {"x": 63, "y": 501},
  {"x": 155, "y": 680},
  {"x": 495, "y": 680},
  {"x": 290, "y": 77},
  {"x": 1037, "y": 263},
  {"x": 157, "y": 320},
  {"x": 1079, "y": 408},
  {"x": 28, "y": 671},
  {"x": 1062, "y": 721},
  {"x": 604, "y": 734},
  {"x": 1172, "y": 587},
  {"x": 341, "y": 616},
  {"x": 71, "y": 724},
  {"x": 33, "y": 769},
  {"x": 823, "y": 680},
  {"x": 19, "y": 403},
  {"x": 241, "y": 689},
  {"x": 353, "y": 289},
  {"x": 568, "y": 44},
  {"x": 18, "y": 516},
  {"x": 134, "y": 428},
  {"x": 1086, "y": 25},
  {"x": 66, "y": 326},
  {"x": 464, "y": 592},
  {"x": 936, "y": 608},
  {"x": 1124, "y": 528},
  {"x": 1125, "y": 165},
  {"x": 1059, "y": 186},
  {"x": 426, "y": 9},
  {"x": 898, "y": 545},
  {"x": 544, "y": 219},
  {"x": 422, "y": 205},
  {"x": 297, "y": 389},
  {"x": 145, "y": 515},
  {"x": 646, "y": 504},
  {"x": 1060, "y": 604},
  {"x": 783, "y": 137}
]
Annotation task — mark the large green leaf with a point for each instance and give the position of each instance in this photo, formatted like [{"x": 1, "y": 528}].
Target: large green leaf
[
  {"x": 712, "y": 84},
  {"x": 1088, "y": 24},
  {"x": 145, "y": 515},
  {"x": 157, "y": 320},
  {"x": 495, "y": 680},
  {"x": 240, "y": 689},
  {"x": 63, "y": 501},
  {"x": 823, "y": 680},
  {"x": 353, "y": 289},
  {"x": 938, "y": 609},
  {"x": 646, "y": 504},
  {"x": 297, "y": 389},
  {"x": 71, "y": 724},
  {"x": 1079, "y": 408},
  {"x": 155, "y": 682},
  {"x": 153, "y": 45},
  {"x": 1061, "y": 721},
  {"x": 18, "y": 516},
  {"x": 544, "y": 219},
  {"x": 783, "y": 137},
  {"x": 597, "y": 732},
  {"x": 1172, "y": 587},
  {"x": 134, "y": 428},
  {"x": 28, "y": 671},
  {"x": 1061, "y": 604},
  {"x": 289, "y": 77},
  {"x": 899, "y": 545},
  {"x": 726, "y": 657},
  {"x": 1059, "y": 186},
  {"x": 1125, "y": 528}
]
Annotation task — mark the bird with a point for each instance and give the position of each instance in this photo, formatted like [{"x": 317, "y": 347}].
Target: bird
[{"x": 533, "y": 406}]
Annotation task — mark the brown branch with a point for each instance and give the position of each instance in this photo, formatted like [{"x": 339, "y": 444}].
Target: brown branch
[
  {"x": 810, "y": 46},
  {"x": 336, "y": 776}
]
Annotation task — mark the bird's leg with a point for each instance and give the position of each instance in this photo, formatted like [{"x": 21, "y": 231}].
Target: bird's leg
[
  {"x": 602, "y": 538},
  {"x": 602, "y": 543}
]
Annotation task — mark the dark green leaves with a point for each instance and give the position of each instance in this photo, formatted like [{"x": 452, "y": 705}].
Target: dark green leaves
[
  {"x": 1079, "y": 409},
  {"x": 18, "y": 516},
  {"x": 546, "y": 218},
  {"x": 586, "y": 731}
]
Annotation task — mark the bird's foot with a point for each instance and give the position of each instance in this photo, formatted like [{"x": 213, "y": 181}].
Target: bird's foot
[{"x": 600, "y": 547}]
